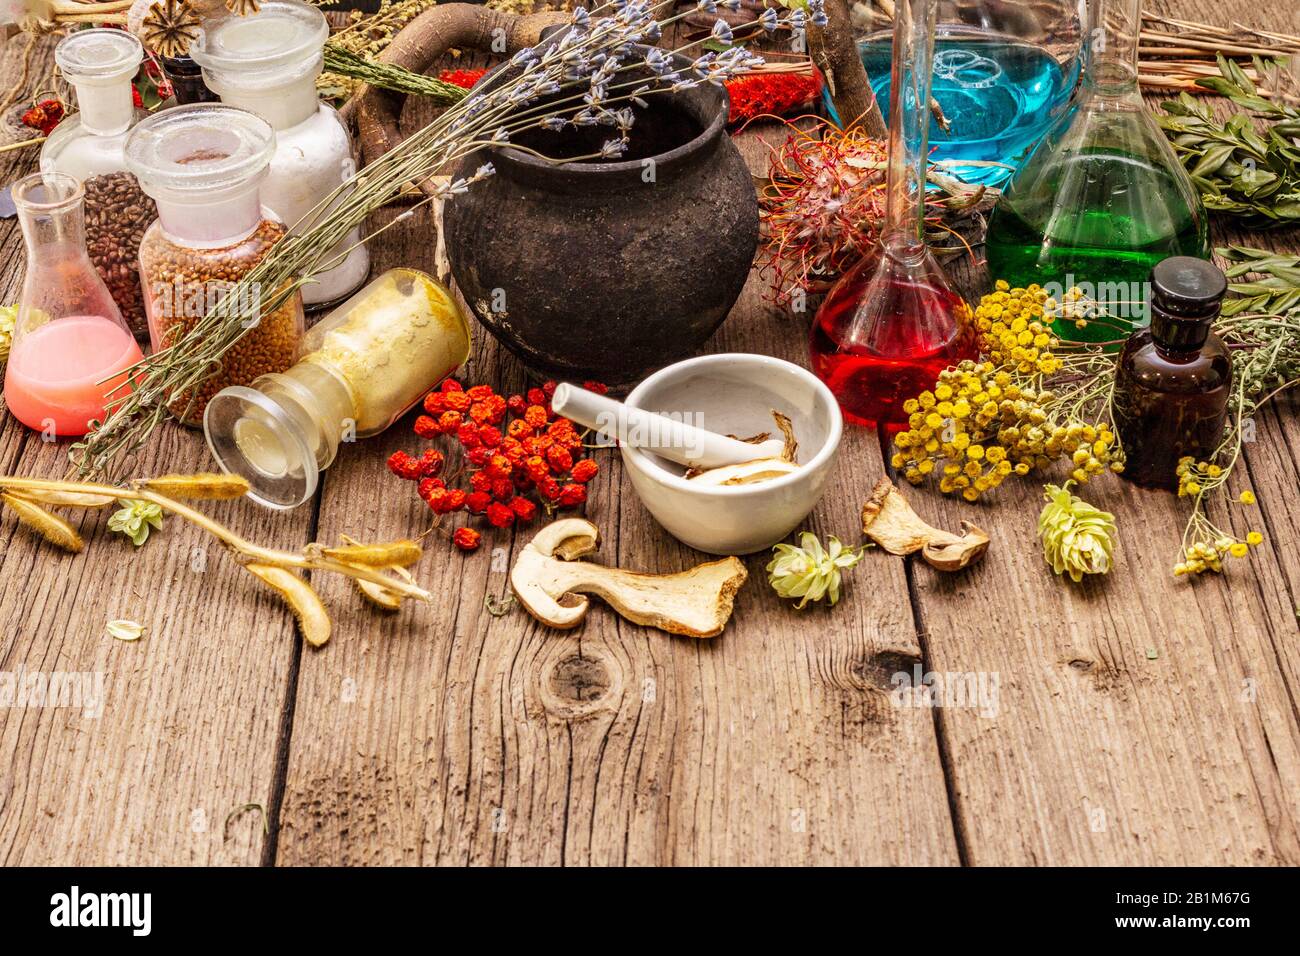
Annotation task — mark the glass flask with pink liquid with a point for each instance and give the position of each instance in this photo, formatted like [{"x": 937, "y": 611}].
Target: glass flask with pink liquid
[
  {"x": 71, "y": 349},
  {"x": 893, "y": 321}
]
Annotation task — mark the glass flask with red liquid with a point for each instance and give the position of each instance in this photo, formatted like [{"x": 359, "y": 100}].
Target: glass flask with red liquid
[{"x": 893, "y": 321}]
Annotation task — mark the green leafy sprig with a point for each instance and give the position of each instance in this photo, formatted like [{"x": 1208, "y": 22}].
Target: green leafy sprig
[{"x": 1240, "y": 171}]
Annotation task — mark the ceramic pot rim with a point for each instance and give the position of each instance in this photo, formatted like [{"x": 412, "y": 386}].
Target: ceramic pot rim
[{"x": 711, "y": 131}]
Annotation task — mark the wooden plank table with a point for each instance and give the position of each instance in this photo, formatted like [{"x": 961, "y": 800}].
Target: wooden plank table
[{"x": 1140, "y": 719}]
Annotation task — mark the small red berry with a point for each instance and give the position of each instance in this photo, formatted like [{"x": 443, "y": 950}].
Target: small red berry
[
  {"x": 571, "y": 495},
  {"x": 427, "y": 486},
  {"x": 434, "y": 403},
  {"x": 480, "y": 481},
  {"x": 597, "y": 387},
  {"x": 479, "y": 392},
  {"x": 499, "y": 467},
  {"x": 467, "y": 539},
  {"x": 478, "y": 501},
  {"x": 503, "y": 489},
  {"x": 456, "y": 499},
  {"x": 536, "y": 468},
  {"x": 451, "y": 385},
  {"x": 427, "y": 427},
  {"x": 431, "y": 462},
  {"x": 516, "y": 404},
  {"x": 467, "y": 435},
  {"x": 548, "y": 488},
  {"x": 458, "y": 401},
  {"x": 404, "y": 466},
  {"x": 490, "y": 437},
  {"x": 448, "y": 422},
  {"x": 524, "y": 509},
  {"x": 559, "y": 459},
  {"x": 519, "y": 429},
  {"x": 548, "y": 387},
  {"x": 536, "y": 396},
  {"x": 496, "y": 406},
  {"x": 583, "y": 471},
  {"x": 479, "y": 456},
  {"x": 480, "y": 413},
  {"x": 499, "y": 516},
  {"x": 536, "y": 416}
]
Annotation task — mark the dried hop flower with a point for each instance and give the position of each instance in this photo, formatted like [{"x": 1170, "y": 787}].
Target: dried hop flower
[
  {"x": 1078, "y": 538},
  {"x": 810, "y": 572}
]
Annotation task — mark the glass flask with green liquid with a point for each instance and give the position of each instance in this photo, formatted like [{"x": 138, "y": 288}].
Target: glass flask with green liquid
[{"x": 1103, "y": 198}]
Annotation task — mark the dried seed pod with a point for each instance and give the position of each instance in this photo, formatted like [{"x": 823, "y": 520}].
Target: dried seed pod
[
  {"x": 379, "y": 595},
  {"x": 62, "y": 499},
  {"x": 204, "y": 486},
  {"x": 313, "y": 619},
  {"x": 392, "y": 554},
  {"x": 50, "y": 527}
]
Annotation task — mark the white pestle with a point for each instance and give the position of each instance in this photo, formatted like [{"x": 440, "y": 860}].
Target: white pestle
[{"x": 658, "y": 434}]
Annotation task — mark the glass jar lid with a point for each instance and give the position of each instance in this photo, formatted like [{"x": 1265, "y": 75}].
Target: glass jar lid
[
  {"x": 280, "y": 34},
  {"x": 200, "y": 147},
  {"x": 99, "y": 54}
]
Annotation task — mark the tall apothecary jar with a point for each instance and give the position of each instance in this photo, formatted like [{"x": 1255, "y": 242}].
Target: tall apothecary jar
[
  {"x": 203, "y": 165},
  {"x": 88, "y": 146},
  {"x": 267, "y": 62}
]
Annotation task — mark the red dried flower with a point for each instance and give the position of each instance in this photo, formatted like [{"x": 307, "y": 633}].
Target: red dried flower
[
  {"x": 44, "y": 116},
  {"x": 583, "y": 471},
  {"x": 480, "y": 481},
  {"x": 478, "y": 501},
  {"x": 478, "y": 457},
  {"x": 519, "y": 429},
  {"x": 479, "y": 392},
  {"x": 448, "y": 422},
  {"x": 467, "y": 539},
  {"x": 489, "y": 436},
  {"x": 435, "y": 403},
  {"x": 535, "y": 415},
  {"x": 503, "y": 489},
  {"x": 458, "y": 401}
]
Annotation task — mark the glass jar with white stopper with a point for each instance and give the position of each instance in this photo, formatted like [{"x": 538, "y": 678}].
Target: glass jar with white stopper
[
  {"x": 88, "y": 146},
  {"x": 267, "y": 62}
]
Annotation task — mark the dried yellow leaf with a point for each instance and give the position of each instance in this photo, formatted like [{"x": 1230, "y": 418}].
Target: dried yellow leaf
[
  {"x": 313, "y": 619},
  {"x": 62, "y": 499},
  {"x": 204, "y": 485},
  {"x": 124, "y": 630},
  {"x": 392, "y": 554},
  {"x": 50, "y": 527}
]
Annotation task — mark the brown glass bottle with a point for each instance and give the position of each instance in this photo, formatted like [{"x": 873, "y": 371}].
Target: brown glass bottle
[{"x": 1174, "y": 377}]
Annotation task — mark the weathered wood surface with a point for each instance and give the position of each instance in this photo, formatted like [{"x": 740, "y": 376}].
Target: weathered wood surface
[{"x": 1139, "y": 719}]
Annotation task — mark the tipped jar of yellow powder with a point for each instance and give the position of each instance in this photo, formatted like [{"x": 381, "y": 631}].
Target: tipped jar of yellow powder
[{"x": 362, "y": 367}]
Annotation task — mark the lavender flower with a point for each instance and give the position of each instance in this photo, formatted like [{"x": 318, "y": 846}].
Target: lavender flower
[{"x": 722, "y": 32}]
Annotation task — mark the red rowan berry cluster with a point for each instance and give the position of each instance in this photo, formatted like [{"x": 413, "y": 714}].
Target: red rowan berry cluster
[{"x": 519, "y": 455}]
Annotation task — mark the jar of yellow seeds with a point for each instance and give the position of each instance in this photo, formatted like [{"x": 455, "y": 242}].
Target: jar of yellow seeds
[
  {"x": 363, "y": 366},
  {"x": 203, "y": 165}
]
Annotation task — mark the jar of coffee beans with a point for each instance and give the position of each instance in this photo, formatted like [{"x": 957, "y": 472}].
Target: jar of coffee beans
[
  {"x": 203, "y": 165},
  {"x": 89, "y": 146}
]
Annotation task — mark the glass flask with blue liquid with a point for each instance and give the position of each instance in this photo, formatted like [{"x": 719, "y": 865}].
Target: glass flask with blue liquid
[{"x": 1004, "y": 71}]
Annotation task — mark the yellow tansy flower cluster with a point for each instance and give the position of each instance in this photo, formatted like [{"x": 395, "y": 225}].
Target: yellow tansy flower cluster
[
  {"x": 986, "y": 420},
  {"x": 1209, "y": 545},
  {"x": 1014, "y": 329}
]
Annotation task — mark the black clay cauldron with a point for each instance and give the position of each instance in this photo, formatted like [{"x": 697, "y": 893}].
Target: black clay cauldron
[{"x": 608, "y": 270}]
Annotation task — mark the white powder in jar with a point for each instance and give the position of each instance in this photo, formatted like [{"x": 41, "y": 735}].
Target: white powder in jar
[{"x": 310, "y": 161}]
